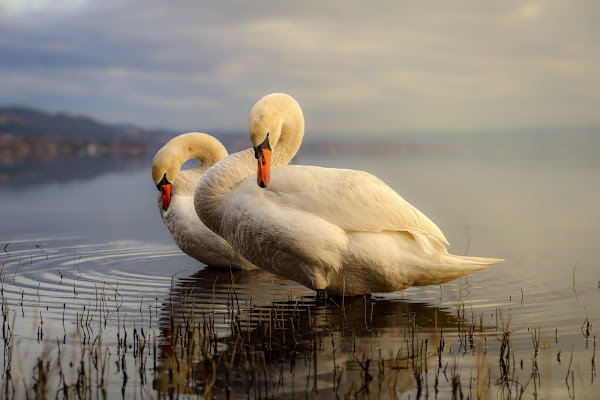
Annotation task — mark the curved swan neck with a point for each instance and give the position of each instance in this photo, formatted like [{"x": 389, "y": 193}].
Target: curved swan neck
[
  {"x": 277, "y": 114},
  {"x": 218, "y": 182},
  {"x": 292, "y": 133},
  {"x": 280, "y": 116},
  {"x": 169, "y": 159}
]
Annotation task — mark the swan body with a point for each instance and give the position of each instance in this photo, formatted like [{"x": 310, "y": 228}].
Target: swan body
[
  {"x": 176, "y": 207},
  {"x": 338, "y": 230}
]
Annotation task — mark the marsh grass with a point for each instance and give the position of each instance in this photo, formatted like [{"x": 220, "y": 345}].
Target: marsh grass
[{"x": 208, "y": 339}]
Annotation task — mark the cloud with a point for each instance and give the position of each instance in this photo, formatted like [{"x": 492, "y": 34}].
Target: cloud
[
  {"x": 353, "y": 66},
  {"x": 16, "y": 7}
]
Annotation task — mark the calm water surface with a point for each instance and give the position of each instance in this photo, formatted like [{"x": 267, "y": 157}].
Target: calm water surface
[{"x": 93, "y": 256}]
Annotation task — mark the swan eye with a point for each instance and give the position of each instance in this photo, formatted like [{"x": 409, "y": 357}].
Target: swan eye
[
  {"x": 162, "y": 182},
  {"x": 263, "y": 146}
]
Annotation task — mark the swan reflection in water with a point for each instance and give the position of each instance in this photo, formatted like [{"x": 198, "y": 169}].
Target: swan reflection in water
[{"x": 251, "y": 333}]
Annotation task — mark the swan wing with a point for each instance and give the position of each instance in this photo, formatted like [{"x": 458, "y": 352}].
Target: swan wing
[{"x": 355, "y": 201}]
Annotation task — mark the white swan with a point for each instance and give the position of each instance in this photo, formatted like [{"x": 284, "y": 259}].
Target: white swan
[
  {"x": 175, "y": 201},
  {"x": 337, "y": 230}
]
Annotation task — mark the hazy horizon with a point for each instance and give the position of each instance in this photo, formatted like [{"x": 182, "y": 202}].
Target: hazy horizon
[{"x": 393, "y": 135}]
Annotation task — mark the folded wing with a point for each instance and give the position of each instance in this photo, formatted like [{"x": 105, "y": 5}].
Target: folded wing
[{"x": 353, "y": 200}]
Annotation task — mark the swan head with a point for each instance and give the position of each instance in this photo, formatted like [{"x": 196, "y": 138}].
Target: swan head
[
  {"x": 269, "y": 117},
  {"x": 169, "y": 159},
  {"x": 163, "y": 174}
]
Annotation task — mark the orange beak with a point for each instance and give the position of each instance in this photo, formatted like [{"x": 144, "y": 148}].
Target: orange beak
[
  {"x": 263, "y": 177},
  {"x": 166, "y": 195}
]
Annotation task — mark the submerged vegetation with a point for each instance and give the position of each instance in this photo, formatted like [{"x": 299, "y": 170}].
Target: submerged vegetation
[{"x": 220, "y": 334}]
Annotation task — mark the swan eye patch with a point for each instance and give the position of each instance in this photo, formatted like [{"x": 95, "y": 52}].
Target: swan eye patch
[
  {"x": 263, "y": 146},
  {"x": 162, "y": 182}
]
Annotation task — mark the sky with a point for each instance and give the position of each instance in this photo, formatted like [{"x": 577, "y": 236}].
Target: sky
[{"x": 378, "y": 67}]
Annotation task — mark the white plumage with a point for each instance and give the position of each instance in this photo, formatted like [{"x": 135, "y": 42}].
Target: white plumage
[
  {"x": 189, "y": 233},
  {"x": 341, "y": 230}
]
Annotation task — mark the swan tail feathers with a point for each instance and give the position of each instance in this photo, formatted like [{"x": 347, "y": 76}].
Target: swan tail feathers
[
  {"x": 475, "y": 261},
  {"x": 457, "y": 267}
]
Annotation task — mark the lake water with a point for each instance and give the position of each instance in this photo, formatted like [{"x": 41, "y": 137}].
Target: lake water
[{"x": 95, "y": 292}]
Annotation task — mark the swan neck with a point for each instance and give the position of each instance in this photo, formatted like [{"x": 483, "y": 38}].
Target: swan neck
[
  {"x": 292, "y": 133},
  {"x": 217, "y": 184},
  {"x": 290, "y": 139},
  {"x": 278, "y": 118},
  {"x": 186, "y": 181},
  {"x": 169, "y": 159}
]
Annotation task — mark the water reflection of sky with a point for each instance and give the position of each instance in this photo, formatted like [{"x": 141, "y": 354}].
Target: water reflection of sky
[
  {"x": 538, "y": 212},
  {"x": 115, "y": 205},
  {"x": 529, "y": 206}
]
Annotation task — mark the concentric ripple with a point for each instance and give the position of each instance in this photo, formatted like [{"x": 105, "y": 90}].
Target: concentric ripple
[{"x": 63, "y": 276}]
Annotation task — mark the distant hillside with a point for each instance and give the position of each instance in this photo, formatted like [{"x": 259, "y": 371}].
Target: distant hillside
[
  {"x": 33, "y": 143},
  {"x": 25, "y": 123},
  {"x": 31, "y": 136}
]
